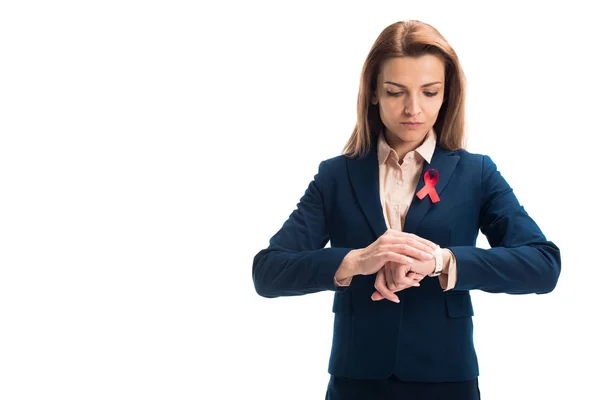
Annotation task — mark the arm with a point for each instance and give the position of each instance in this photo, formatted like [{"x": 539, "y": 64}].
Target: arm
[
  {"x": 521, "y": 260},
  {"x": 296, "y": 261}
]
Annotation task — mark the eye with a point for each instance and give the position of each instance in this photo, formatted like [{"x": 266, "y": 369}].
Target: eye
[{"x": 396, "y": 94}]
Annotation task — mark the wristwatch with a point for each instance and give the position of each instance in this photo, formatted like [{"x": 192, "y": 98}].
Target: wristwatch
[{"x": 439, "y": 262}]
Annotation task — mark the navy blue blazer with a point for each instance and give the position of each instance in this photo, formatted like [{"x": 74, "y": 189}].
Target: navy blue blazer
[{"x": 428, "y": 336}]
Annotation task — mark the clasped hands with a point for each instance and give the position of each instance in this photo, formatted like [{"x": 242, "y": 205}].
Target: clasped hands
[{"x": 401, "y": 260}]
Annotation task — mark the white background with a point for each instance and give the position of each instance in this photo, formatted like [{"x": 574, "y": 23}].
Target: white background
[{"x": 150, "y": 149}]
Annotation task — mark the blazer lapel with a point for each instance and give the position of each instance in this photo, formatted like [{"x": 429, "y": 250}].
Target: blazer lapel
[
  {"x": 364, "y": 177},
  {"x": 444, "y": 162}
]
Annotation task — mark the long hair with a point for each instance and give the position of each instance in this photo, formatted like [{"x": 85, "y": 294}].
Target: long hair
[{"x": 410, "y": 39}]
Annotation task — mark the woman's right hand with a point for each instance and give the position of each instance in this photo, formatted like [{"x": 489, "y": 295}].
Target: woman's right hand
[{"x": 394, "y": 246}]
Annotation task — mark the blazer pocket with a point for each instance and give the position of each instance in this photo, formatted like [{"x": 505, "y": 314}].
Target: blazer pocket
[{"x": 459, "y": 305}]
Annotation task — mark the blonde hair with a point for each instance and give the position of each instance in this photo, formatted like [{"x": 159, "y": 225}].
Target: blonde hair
[{"x": 410, "y": 39}]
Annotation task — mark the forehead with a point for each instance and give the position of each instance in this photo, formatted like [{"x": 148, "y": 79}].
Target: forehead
[{"x": 412, "y": 70}]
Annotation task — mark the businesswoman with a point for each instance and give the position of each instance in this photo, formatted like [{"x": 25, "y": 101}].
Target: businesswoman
[{"x": 402, "y": 208}]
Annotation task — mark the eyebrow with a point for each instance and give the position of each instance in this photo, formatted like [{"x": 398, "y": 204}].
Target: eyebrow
[{"x": 402, "y": 86}]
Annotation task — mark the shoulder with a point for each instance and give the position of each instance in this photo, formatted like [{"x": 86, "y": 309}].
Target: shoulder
[
  {"x": 336, "y": 161},
  {"x": 332, "y": 165},
  {"x": 484, "y": 169},
  {"x": 467, "y": 156},
  {"x": 476, "y": 160},
  {"x": 331, "y": 172}
]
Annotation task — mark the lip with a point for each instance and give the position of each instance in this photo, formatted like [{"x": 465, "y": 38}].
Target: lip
[{"x": 412, "y": 123}]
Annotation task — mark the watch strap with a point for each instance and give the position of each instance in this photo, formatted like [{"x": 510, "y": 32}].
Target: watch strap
[{"x": 439, "y": 262}]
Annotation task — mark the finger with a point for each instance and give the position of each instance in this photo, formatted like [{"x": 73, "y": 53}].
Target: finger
[
  {"x": 429, "y": 243},
  {"x": 423, "y": 267},
  {"x": 410, "y": 236},
  {"x": 415, "y": 276},
  {"x": 409, "y": 251},
  {"x": 389, "y": 277},
  {"x": 376, "y": 296},
  {"x": 387, "y": 256},
  {"x": 401, "y": 276},
  {"x": 381, "y": 288},
  {"x": 417, "y": 244}
]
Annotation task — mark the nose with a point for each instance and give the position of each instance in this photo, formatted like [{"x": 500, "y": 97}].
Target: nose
[{"x": 412, "y": 106}]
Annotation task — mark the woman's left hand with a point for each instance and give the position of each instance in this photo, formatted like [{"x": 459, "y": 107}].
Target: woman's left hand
[{"x": 389, "y": 277}]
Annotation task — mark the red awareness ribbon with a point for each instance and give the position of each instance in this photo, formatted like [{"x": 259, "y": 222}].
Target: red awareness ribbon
[{"x": 429, "y": 188}]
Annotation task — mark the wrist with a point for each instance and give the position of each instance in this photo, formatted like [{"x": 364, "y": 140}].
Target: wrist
[
  {"x": 447, "y": 256},
  {"x": 349, "y": 266}
]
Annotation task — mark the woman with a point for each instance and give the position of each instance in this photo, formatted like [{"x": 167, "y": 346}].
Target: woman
[{"x": 402, "y": 208}]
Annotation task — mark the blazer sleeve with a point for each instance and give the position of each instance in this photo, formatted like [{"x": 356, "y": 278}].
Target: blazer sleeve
[
  {"x": 296, "y": 262},
  {"x": 520, "y": 259}
]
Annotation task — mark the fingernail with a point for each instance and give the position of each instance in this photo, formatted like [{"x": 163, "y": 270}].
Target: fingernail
[
  {"x": 410, "y": 260},
  {"x": 416, "y": 284},
  {"x": 396, "y": 300},
  {"x": 429, "y": 255}
]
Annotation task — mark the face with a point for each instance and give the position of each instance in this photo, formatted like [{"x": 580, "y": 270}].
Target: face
[{"x": 409, "y": 89}]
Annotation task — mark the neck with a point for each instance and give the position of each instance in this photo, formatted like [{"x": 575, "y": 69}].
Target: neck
[{"x": 401, "y": 147}]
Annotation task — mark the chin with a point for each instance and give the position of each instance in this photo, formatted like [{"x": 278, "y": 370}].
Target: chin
[{"x": 410, "y": 135}]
